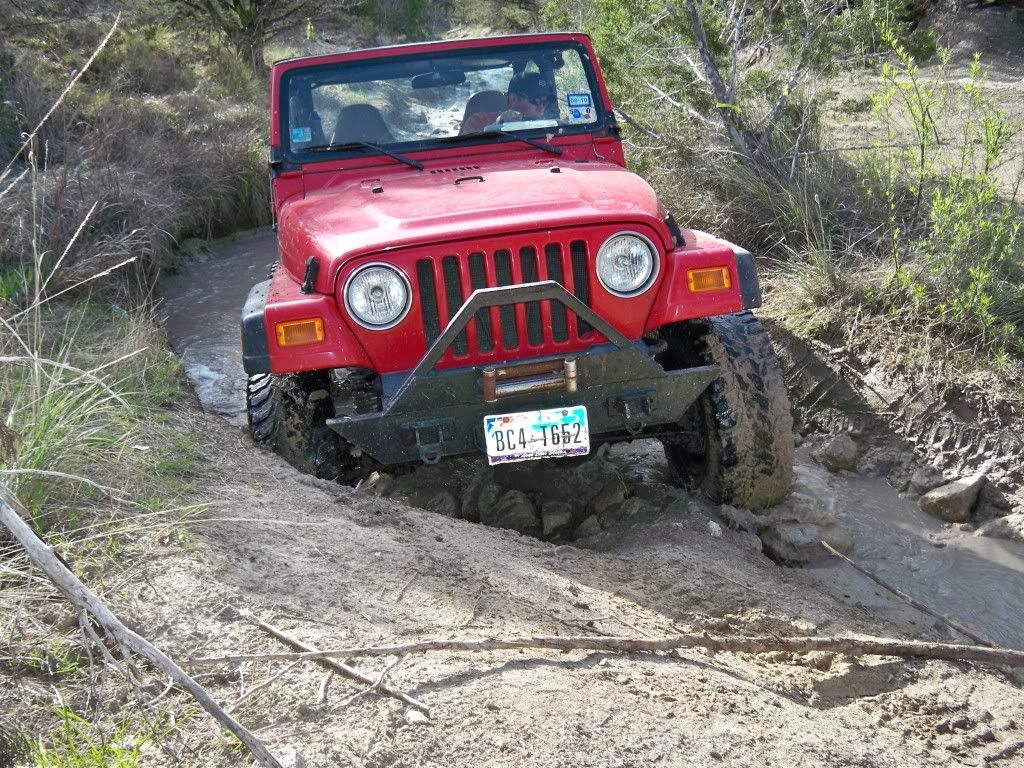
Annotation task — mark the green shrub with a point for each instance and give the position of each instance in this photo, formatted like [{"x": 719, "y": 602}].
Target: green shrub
[
  {"x": 76, "y": 744},
  {"x": 146, "y": 59},
  {"x": 955, "y": 247}
]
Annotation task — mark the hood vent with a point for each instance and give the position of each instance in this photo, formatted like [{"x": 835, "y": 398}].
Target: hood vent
[{"x": 456, "y": 169}]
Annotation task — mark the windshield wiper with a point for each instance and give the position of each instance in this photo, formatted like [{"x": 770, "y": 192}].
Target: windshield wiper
[
  {"x": 348, "y": 145},
  {"x": 507, "y": 134}
]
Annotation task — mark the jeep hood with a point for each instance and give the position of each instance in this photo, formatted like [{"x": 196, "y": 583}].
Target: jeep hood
[{"x": 405, "y": 208}]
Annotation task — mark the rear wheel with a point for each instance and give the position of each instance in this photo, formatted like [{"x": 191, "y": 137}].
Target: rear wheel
[
  {"x": 289, "y": 413},
  {"x": 736, "y": 441}
]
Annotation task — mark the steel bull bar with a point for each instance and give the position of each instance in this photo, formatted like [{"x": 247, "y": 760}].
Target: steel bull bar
[{"x": 428, "y": 414}]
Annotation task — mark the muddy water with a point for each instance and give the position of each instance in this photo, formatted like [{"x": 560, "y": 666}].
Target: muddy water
[
  {"x": 978, "y": 580},
  {"x": 202, "y": 308}
]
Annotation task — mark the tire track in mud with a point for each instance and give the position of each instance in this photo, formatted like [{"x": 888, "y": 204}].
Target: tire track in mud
[{"x": 962, "y": 430}]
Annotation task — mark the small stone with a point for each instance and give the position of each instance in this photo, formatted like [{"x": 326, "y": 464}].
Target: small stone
[
  {"x": 880, "y": 462},
  {"x": 614, "y": 492},
  {"x": 631, "y": 511},
  {"x": 589, "y": 528},
  {"x": 925, "y": 479},
  {"x": 714, "y": 529},
  {"x": 555, "y": 517},
  {"x": 659, "y": 495},
  {"x": 472, "y": 494},
  {"x": 289, "y": 757},
  {"x": 740, "y": 519},
  {"x": 801, "y": 542},
  {"x": 837, "y": 452},
  {"x": 513, "y": 510},
  {"x": 415, "y": 717},
  {"x": 485, "y": 502},
  {"x": 954, "y": 501}
]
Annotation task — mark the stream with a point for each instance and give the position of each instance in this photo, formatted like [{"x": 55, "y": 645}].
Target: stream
[{"x": 976, "y": 579}]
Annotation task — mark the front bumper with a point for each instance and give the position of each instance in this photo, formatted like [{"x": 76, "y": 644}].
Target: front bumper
[{"x": 429, "y": 414}]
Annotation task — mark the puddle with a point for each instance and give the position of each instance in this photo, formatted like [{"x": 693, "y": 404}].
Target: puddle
[
  {"x": 202, "y": 308},
  {"x": 975, "y": 579}
]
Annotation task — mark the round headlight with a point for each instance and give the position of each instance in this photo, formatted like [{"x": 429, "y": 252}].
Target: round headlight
[
  {"x": 626, "y": 264},
  {"x": 377, "y": 296}
]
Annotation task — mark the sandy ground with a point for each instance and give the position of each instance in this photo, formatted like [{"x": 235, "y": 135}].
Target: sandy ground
[{"x": 341, "y": 567}]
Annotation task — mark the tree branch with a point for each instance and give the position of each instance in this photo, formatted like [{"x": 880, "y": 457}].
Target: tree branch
[
  {"x": 310, "y": 652},
  {"x": 848, "y": 646},
  {"x": 43, "y": 557},
  {"x": 812, "y": 29}
]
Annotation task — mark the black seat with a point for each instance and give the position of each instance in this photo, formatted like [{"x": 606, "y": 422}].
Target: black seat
[{"x": 361, "y": 122}]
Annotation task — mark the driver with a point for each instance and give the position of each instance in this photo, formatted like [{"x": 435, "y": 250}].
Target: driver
[{"x": 529, "y": 95}]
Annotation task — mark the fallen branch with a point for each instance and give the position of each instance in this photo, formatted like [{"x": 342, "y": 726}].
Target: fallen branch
[
  {"x": 325, "y": 657},
  {"x": 847, "y": 646},
  {"x": 965, "y": 631},
  {"x": 43, "y": 557},
  {"x": 375, "y": 687}
]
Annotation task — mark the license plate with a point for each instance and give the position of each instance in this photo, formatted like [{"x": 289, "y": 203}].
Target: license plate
[{"x": 537, "y": 434}]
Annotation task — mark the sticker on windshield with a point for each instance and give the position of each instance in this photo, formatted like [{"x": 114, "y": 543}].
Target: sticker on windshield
[
  {"x": 581, "y": 115},
  {"x": 578, "y": 100},
  {"x": 302, "y": 135}
]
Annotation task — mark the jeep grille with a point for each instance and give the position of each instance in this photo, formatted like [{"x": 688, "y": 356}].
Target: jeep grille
[{"x": 553, "y": 261}]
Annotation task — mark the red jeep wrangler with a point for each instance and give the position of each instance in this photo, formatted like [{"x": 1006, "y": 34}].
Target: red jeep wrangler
[{"x": 467, "y": 266}]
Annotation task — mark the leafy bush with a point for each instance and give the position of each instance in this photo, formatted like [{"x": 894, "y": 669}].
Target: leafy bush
[{"x": 956, "y": 252}]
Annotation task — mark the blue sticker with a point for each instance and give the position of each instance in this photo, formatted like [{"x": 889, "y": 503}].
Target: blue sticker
[
  {"x": 578, "y": 99},
  {"x": 302, "y": 135}
]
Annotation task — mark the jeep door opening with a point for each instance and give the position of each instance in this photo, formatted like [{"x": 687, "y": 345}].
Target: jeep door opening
[{"x": 467, "y": 266}]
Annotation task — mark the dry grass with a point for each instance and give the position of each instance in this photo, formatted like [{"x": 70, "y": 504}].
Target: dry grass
[{"x": 94, "y": 432}]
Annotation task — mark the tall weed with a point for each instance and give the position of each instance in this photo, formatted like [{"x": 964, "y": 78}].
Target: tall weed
[{"x": 957, "y": 258}]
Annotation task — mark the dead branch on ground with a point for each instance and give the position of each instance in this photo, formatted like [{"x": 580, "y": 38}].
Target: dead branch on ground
[
  {"x": 308, "y": 651},
  {"x": 948, "y": 621},
  {"x": 845, "y": 646},
  {"x": 43, "y": 557}
]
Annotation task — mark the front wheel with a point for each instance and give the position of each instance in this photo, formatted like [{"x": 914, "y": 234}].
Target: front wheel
[
  {"x": 739, "y": 444},
  {"x": 289, "y": 413}
]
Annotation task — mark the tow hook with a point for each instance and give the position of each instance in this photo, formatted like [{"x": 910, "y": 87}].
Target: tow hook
[
  {"x": 430, "y": 439},
  {"x": 635, "y": 409}
]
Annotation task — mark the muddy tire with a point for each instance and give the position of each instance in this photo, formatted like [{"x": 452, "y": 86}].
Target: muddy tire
[
  {"x": 741, "y": 447},
  {"x": 289, "y": 414}
]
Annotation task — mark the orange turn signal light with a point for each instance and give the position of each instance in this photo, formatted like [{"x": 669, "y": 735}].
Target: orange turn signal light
[
  {"x": 711, "y": 279},
  {"x": 298, "y": 332}
]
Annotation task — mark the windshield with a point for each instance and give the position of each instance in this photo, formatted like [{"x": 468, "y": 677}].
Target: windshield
[{"x": 413, "y": 102}]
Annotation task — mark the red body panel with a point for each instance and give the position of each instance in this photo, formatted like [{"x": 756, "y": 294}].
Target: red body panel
[
  {"x": 346, "y": 218},
  {"x": 339, "y": 349},
  {"x": 471, "y": 202},
  {"x": 675, "y": 302}
]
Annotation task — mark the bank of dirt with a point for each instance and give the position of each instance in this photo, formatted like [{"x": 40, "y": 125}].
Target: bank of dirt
[{"x": 338, "y": 567}]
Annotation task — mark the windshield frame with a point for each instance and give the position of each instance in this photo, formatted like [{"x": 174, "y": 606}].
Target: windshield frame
[{"x": 598, "y": 127}]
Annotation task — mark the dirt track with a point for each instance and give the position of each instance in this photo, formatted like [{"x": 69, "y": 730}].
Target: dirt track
[
  {"x": 342, "y": 567},
  {"x": 337, "y": 566}
]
